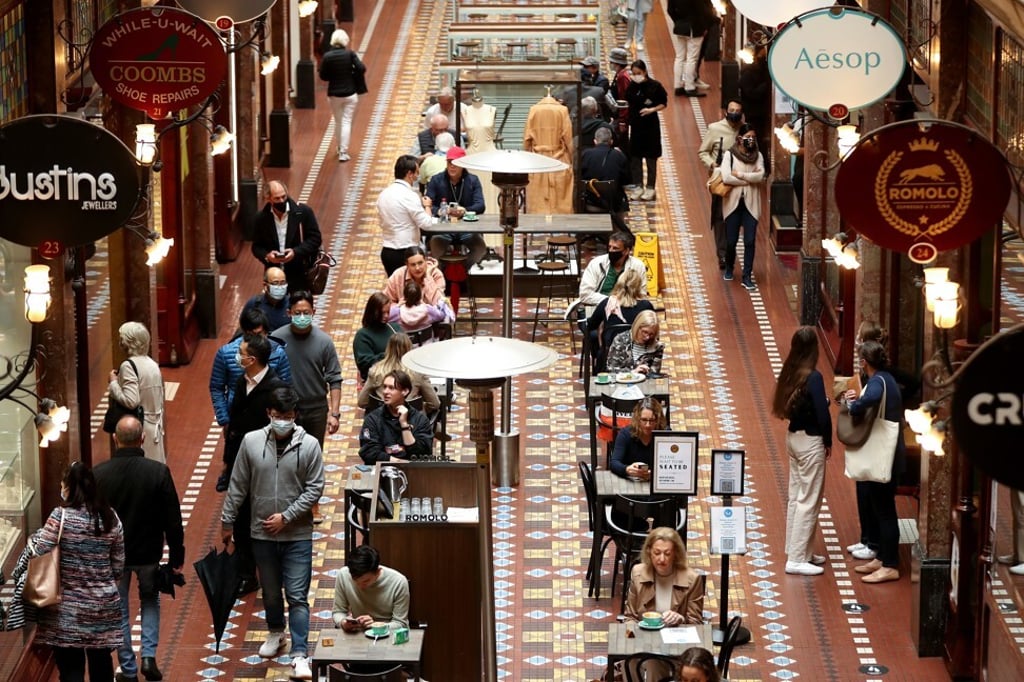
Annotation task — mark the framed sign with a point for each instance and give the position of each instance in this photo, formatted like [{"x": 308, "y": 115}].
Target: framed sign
[
  {"x": 728, "y": 530},
  {"x": 674, "y": 470},
  {"x": 727, "y": 467}
]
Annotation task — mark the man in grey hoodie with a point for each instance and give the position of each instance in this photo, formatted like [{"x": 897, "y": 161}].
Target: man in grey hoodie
[{"x": 281, "y": 469}]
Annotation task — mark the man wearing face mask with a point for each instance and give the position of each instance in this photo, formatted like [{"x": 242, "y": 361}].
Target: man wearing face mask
[
  {"x": 719, "y": 138},
  {"x": 316, "y": 371},
  {"x": 280, "y": 468},
  {"x": 603, "y": 272},
  {"x": 273, "y": 300},
  {"x": 286, "y": 235}
]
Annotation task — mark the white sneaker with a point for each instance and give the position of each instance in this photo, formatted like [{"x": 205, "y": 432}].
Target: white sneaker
[
  {"x": 864, "y": 554},
  {"x": 1017, "y": 570},
  {"x": 817, "y": 559},
  {"x": 855, "y": 546},
  {"x": 648, "y": 195},
  {"x": 1008, "y": 559},
  {"x": 343, "y": 156},
  {"x": 273, "y": 645},
  {"x": 639, "y": 45},
  {"x": 301, "y": 667},
  {"x": 701, "y": 85},
  {"x": 803, "y": 568}
]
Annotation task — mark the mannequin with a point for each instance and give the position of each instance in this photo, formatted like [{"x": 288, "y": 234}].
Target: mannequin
[
  {"x": 479, "y": 118},
  {"x": 549, "y": 132}
]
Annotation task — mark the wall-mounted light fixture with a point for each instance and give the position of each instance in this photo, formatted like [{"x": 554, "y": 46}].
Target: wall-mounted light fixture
[
  {"x": 147, "y": 140},
  {"x": 220, "y": 140},
  {"x": 269, "y": 63},
  {"x": 307, "y": 7},
  {"x": 947, "y": 304},
  {"x": 145, "y": 143},
  {"x": 157, "y": 248},
  {"x": 932, "y": 278},
  {"x": 788, "y": 139},
  {"x": 847, "y": 137},
  {"x": 50, "y": 419},
  {"x": 37, "y": 292},
  {"x": 719, "y": 6},
  {"x": 843, "y": 250}
]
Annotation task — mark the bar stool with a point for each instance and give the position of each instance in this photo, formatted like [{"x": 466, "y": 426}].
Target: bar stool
[
  {"x": 523, "y": 16},
  {"x": 553, "y": 282},
  {"x": 476, "y": 17},
  {"x": 457, "y": 274},
  {"x": 566, "y": 48},
  {"x": 470, "y": 48},
  {"x": 517, "y": 48},
  {"x": 563, "y": 247}
]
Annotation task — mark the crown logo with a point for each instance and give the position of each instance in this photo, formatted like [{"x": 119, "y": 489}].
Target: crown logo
[{"x": 923, "y": 144}]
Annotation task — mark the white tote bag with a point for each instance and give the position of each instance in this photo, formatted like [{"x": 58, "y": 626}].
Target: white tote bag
[{"x": 873, "y": 460}]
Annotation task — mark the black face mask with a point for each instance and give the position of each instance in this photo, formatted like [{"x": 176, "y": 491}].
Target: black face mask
[
  {"x": 615, "y": 256},
  {"x": 280, "y": 206},
  {"x": 734, "y": 117},
  {"x": 749, "y": 143}
]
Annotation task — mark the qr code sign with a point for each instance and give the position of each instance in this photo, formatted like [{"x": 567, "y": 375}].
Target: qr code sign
[{"x": 728, "y": 545}]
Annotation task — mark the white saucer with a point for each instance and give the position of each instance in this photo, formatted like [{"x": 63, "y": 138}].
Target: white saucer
[
  {"x": 649, "y": 627},
  {"x": 373, "y": 636},
  {"x": 630, "y": 377}
]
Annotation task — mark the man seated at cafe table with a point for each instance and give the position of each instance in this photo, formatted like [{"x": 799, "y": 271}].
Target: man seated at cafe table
[
  {"x": 365, "y": 593},
  {"x": 395, "y": 430},
  {"x": 602, "y": 272}
]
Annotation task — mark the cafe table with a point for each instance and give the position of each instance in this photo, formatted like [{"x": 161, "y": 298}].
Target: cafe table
[
  {"x": 337, "y": 646},
  {"x": 657, "y": 388},
  {"x": 529, "y": 223},
  {"x": 607, "y": 486},
  {"x": 621, "y": 646}
]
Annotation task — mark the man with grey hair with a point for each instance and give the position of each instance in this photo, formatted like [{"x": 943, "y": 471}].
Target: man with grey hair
[
  {"x": 344, "y": 74},
  {"x": 436, "y": 162},
  {"x": 592, "y": 122},
  {"x": 608, "y": 165},
  {"x": 287, "y": 235},
  {"x": 446, "y": 105},
  {"x": 426, "y": 139}
]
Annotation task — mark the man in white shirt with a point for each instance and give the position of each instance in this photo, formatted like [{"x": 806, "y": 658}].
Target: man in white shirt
[{"x": 403, "y": 213}]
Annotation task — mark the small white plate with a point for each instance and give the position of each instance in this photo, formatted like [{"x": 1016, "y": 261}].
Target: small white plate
[{"x": 630, "y": 377}]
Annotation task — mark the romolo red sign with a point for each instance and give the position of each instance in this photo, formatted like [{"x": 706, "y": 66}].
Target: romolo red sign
[
  {"x": 63, "y": 180},
  {"x": 923, "y": 186},
  {"x": 157, "y": 59}
]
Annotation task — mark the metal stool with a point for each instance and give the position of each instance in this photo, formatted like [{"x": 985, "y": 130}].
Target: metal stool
[
  {"x": 476, "y": 16},
  {"x": 470, "y": 48},
  {"x": 563, "y": 247},
  {"x": 566, "y": 48},
  {"x": 456, "y": 273},
  {"x": 551, "y": 271},
  {"x": 517, "y": 48}
]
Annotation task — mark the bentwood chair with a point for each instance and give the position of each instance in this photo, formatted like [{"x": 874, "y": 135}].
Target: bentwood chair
[
  {"x": 393, "y": 675},
  {"x": 651, "y": 667},
  {"x": 629, "y": 520},
  {"x": 600, "y": 543},
  {"x": 728, "y": 642}
]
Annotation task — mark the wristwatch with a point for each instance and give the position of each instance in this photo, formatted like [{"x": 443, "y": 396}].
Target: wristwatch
[
  {"x": 336, "y": 415},
  {"x": 407, "y": 428}
]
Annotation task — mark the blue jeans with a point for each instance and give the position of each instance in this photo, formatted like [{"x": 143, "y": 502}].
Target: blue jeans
[
  {"x": 636, "y": 26},
  {"x": 740, "y": 218},
  {"x": 286, "y": 566},
  {"x": 149, "y": 600}
]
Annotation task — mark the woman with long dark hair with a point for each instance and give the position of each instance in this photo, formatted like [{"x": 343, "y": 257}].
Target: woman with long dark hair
[
  {"x": 698, "y": 665},
  {"x": 800, "y": 397},
  {"x": 879, "y": 526},
  {"x": 86, "y": 625},
  {"x": 372, "y": 338}
]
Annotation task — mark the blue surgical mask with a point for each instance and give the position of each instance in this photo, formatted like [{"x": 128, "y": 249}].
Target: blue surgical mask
[
  {"x": 282, "y": 427},
  {"x": 302, "y": 321},
  {"x": 238, "y": 359},
  {"x": 277, "y": 291}
]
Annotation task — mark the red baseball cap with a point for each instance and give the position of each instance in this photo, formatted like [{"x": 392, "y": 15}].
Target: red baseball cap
[{"x": 455, "y": 153}]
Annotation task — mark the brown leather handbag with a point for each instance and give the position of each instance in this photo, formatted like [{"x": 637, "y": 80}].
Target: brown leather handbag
[{"x": 42, "y": 582}]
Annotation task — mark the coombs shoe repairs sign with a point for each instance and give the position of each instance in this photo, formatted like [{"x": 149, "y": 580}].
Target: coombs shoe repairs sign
[
  {"x": 63, "y": 182},
  {"x": 837, "y": 58},
  {"x": 775, "y": 12},
  {"x": 157, "y": 60},
  {"x": 921, "y": 187},
  {"x": 988, "y": 407}
]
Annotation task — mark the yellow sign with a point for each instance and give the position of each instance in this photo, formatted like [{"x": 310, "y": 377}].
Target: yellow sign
[{"x": 646, "y": 249}]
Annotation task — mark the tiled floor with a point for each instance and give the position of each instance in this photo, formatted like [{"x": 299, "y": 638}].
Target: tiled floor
[{"x": 724, "y": 347}]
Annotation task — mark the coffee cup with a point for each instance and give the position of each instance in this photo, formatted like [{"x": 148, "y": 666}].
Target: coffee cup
[
  {"x": 652, "y": 619},
  {"x": 469, "y": 215},
  {"x": 380, "y": 629},
  {"x": 604, "y": 378}
]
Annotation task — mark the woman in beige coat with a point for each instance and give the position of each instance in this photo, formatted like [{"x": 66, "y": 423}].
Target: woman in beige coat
[
  {"x": 742, "y": 169},
  {"x": 662, "y": 582},
  {"x": 138, "y": 381}
]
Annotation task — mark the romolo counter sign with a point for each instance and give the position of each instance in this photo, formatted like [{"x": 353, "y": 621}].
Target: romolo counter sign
[
  {"x": 837, "y": 56},
  {"x": 63, "y": 180},
  {"x": 988, "y": 408},
  {"x": 920, "y": 187},
  {"x": 772, "y": 13},
  {"x": 239, "y": 11},
  {"x": 157, "y": 59}
]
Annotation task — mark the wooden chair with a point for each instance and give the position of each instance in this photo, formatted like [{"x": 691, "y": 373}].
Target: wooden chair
[
  {"x": 725, "y": 652},
  {"x": 629, "y": 520},
  {"x": 651, "y": 667},
  {"x": 600, "y": 543}
]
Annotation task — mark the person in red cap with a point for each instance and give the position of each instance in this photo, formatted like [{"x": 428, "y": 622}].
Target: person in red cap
[{"x": 463, "y": 193}]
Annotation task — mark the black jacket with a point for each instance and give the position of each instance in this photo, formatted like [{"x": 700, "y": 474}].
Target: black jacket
[
  {"x": 606, "y": 163},
  {"x": 381, "y": 429},
  {"x": 338, "y": 67},
  {"x": 248, "y": 412},
  {"x": 264, "y": 240},
  {"x": 691, "y": 17},
  {"x": 142, "y": 493}
]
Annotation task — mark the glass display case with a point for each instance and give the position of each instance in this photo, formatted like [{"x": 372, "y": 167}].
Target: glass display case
[{"x": 506, "y": 12}]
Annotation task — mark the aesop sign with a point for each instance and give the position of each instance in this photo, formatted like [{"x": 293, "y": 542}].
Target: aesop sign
[
  {"x": 157, "y": 59},
  {"x": 64, "y": 180},
  {"x": 988, "y": 408},
  {"x": 837, "y": 56}
]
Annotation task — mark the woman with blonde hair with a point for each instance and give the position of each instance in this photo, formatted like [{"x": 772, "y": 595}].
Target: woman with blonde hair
[
  {"x": 398, "y": 345},
  {"x": 663, "y": 582},
  {"x": 639, "y": 349},
  {"x": 138, "y": 382},
  {"x": 627, "y": 299},
  {"x": 633, "y": 453}
]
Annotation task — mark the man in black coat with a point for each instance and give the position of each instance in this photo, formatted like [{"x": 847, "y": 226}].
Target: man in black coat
[
  {"x": 691, "y": 20},
  {"x": 142, "y": 493},
  {"x": 394, "y": 430},
  {"x": 249, "y": 412},
  {"x": 286, "y": 235},
  {"x": 605, "y": 163}
]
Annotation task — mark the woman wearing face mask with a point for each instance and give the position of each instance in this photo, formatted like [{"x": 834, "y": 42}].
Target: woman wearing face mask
[
  {"x": 743, "y": 169},
  {"x": 646, "y": 97}
]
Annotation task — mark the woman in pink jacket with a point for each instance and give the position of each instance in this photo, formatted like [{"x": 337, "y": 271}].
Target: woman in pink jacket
[{"x": 420, "y": 269}]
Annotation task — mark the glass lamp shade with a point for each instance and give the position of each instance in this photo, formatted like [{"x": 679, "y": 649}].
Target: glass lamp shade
[
  {"x": 947, "y": 304},
  {"x": 37, "y": 292},
  {"x": 933, "y": 276},
  {"x": 145, "y": 143}
]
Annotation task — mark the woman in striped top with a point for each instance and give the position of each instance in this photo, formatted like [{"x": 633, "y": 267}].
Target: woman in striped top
[
  {"x": 639, "y": 349},
  {"x": 86, "y": 625}
]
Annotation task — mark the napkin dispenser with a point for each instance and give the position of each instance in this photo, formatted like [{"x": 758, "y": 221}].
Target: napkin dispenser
[{"x": 401, "y": 635}]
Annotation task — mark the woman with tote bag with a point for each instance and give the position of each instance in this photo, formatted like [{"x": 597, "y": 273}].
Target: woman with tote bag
[{"x": 880, "y": 527}]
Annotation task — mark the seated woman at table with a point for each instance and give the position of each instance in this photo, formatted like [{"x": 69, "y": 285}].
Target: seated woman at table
[
  {"x": 398, "y": 346},
  {"x": 418, "y": 268},
  {"x": 371, "y": 339},
  {"x": 638, "y": 350},
  {"x": 697, "y": 664},
  {"x": 414, "y": 314},
  {"x": 662, "y": 582},
  {"x": 627, "y": 300},
  {"x": 633, "y": 453}
]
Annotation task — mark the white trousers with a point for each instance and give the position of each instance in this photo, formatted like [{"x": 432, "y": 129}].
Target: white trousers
[
  {"x": 684, "y": 70},
  {"x": 343, "y": 108},
  {"x": 806, "y": 482}
]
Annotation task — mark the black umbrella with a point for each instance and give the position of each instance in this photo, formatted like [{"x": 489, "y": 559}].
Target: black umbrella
[{"x": 219, "y": 576}]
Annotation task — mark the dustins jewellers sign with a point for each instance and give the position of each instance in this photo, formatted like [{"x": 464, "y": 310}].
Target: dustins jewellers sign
[
  {"x": 238, "y": 10},
  {"x": 63, "y": 180},
  {"x": 837, "y": 56},
  {"x": 921, "y": 187},
  {"x": 157, "y": 59},
  {"x": 988, "y": 408},
  {"x": 771, "y": 13}
]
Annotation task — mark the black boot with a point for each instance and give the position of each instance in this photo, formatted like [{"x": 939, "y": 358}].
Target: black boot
[{"x": 149, "y": 669}]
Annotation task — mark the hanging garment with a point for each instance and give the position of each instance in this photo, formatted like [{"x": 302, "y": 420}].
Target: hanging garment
[{"x": 549, "y": 132}]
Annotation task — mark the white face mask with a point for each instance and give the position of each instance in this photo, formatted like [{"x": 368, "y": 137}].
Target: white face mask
[
  {"x": 282, "y": 427},
  {"x": 639, "y": 78},
  {"x": 277, "y": 291}
]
